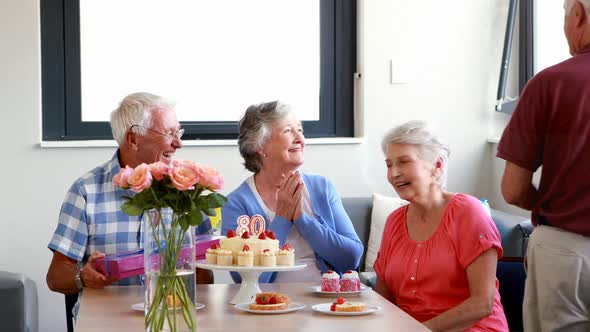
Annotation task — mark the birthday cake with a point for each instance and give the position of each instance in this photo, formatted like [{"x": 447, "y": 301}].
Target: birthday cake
[{"x": 252, "y": 233}]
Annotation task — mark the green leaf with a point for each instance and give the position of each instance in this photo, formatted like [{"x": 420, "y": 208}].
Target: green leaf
[
  {"x": 171, "y": 196},
  {"x": 184, "y": 202},
  {"x": 131, "y": 209},
  {"x": 196, "y": 218},
  {"x": 184, "y": 221},
  {"x": 216, "y": 200},
  {"x": 200, "y": 203}
]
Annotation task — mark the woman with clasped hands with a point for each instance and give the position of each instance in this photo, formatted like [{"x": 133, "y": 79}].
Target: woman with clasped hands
[
  {"x": 438, "y": 254},
  {"x": 301, "y": 209}
]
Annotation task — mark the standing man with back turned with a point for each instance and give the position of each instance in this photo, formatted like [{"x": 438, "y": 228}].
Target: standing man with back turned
[
  {"x": 91, "y": 222},
  {"x": 551, "y": 128}
]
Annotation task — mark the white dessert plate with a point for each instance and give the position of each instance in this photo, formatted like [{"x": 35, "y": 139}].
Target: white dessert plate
[
  {"x": 318, "y": 290},
  {"x": 140, "y": 307},
  {"x": 203, "y": 265},
  {"x": 293, "y": 306},
  {"x": 324, "y": 308}
]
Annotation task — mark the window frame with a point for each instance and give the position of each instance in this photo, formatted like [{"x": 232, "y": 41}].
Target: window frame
[
  {"x": 526, "y": 65},
  {"x": 61, "y": 95},
  {"x": 525, "y": 52}
]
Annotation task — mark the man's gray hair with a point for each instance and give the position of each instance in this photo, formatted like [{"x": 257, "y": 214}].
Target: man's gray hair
[
  {"x": 417, "y": 133},
  {"x": 136, "y": 109},
  {"x": 569, "y": 4},
  {"x": 255, "y": 128}
]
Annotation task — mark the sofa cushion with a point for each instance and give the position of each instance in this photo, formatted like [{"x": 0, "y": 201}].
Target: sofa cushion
[
  {"x": 19, "y": 306},
  {"x": 359, "y": 211},
  {"x": 383, "y": 206},
  {"x": 514, "y": 231}
]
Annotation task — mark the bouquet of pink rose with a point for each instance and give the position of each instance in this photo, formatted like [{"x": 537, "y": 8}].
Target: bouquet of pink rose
[
  {"x": 189, "y": 190},
  {"x": 178, "y": 186}
]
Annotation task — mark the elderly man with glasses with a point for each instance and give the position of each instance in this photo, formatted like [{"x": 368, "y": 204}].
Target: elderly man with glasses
[{"x": 91, "y": 222}]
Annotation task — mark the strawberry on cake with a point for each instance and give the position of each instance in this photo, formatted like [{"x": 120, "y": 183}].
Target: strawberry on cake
[
  {"x": 340, "y": 305},
  {"x": 350, "y": 282},
  {"x": 330, "y": 281},
  {"x": 270, "y": 301}
]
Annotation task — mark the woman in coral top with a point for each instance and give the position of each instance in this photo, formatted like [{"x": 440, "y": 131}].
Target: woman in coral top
[{"x": 438, "y": 255}]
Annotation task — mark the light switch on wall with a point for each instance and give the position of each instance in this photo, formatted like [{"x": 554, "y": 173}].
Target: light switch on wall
[{"x": 397, "y": 73}]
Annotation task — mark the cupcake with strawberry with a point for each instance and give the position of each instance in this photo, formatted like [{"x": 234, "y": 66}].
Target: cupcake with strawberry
[
  {"x": 211, "y": 254},
  {"x": 268, "y": 258},
  {"x": 350, "y": 282},
  {"x": 330, "y": 281},
  {"x": 246, "y": 257},
  {"x": 286, "y": 255},
  {"x": 224, "y": 257}
]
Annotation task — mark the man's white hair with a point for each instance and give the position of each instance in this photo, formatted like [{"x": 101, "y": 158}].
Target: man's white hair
[
  {"x": 569, "y": 4},
  {"x": 136, "y": 110}
]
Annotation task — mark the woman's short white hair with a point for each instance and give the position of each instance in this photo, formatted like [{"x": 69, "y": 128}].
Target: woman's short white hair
[
  {"x": 136, "y": 109},
  {"x": 417, "y": 133}
]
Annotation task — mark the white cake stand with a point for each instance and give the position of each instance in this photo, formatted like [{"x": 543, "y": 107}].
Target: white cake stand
[{"x": 250, "y": 287}]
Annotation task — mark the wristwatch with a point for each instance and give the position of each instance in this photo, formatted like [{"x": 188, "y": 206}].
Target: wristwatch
[{"x": 78, "y": 279}]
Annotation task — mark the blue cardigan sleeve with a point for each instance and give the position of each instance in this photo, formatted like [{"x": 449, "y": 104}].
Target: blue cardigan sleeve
[{"x": 333, "y": 238}]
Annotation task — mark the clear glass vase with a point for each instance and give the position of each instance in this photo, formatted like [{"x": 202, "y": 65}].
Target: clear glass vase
[{"x": 169, "y": 261}]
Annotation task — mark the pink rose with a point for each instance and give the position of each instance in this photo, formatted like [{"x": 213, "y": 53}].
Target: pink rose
[
  {"x": 122, "y": 177},
  {"x": 141, "y": 178},
  {"x": 182, "y": 175},
  {"x": 182, "y": 162},
  {"x": 209, "y": 177},
  {"x": 158, "y": 170}
]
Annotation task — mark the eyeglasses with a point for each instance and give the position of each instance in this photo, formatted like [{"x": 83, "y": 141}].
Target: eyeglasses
[{"x": 171, "y": 135}]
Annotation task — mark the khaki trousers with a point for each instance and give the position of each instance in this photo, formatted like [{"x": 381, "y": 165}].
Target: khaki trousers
[{"x": 557, "y": 289}]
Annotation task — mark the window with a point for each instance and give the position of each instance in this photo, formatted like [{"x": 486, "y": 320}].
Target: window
[
  {"x": 208, "y": 53},
  {"x": 542, "y": 43},
  {"x": 549, "y": 43}
]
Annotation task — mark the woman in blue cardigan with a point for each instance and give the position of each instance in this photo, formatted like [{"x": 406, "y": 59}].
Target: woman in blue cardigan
[{"x": 303, "y": 210}]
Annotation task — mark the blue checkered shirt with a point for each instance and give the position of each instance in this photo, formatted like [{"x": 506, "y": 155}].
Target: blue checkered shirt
[{"x": 91, "y": 218}]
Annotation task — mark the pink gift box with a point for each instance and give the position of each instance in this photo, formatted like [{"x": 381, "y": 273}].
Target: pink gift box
[
  {"x": 130, "y": 264},
  {"x": 123, "y": 265},
  {"x": 204, "y": 242}
]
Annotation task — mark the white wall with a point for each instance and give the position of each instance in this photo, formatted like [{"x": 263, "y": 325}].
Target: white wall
[{"x": 451, "y": 50}]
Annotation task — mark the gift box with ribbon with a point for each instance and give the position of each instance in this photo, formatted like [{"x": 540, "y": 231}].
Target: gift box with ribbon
[
  {"x": 121, "y": 265},
  {"x": 131, "y": 263}
]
